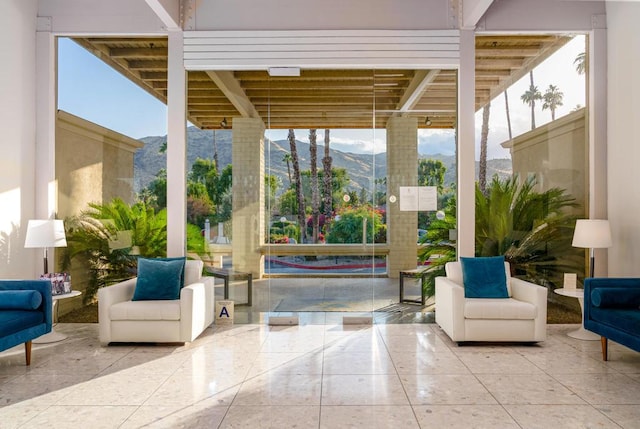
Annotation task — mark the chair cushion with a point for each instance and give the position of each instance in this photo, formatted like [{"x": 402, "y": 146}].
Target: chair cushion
[
  {"x": 484, "y": 277},
  {"x": 498, "y": 308},
  {"x": 146, "y": 310},
  {"x": 159, "y": 279},
  {"x": 192, "y": 272},
  {"x": 20, "y": 299}
]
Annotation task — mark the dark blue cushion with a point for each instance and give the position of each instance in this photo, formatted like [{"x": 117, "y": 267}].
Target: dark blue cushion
[
  {"x": 20, "y": 299},
  {"x": 484, "y": 277},
  {"x": 159, "y": 279},
  {"x": 615, "y": 297},
  {"x": 13, "y": 321}
]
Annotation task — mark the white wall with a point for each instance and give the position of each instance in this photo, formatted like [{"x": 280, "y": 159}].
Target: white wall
[
  {"x": 623, "y": 45},
  {"x": 17, "y": 141}
]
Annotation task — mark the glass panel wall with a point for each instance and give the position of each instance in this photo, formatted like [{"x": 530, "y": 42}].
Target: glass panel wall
[{"x": 532, "y": 138}]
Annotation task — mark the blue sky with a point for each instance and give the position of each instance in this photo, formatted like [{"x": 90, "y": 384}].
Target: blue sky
[{"x": 89, "y": 88}]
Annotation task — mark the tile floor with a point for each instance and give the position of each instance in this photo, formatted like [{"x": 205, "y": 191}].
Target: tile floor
[{"x": 320, "y": 376}]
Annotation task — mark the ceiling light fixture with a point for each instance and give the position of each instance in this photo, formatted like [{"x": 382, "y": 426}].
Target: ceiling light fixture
[
  {"x": 284, "y": 71},
  {"x": 223, "y": 123},
  {"x": 427, "y": 122}
]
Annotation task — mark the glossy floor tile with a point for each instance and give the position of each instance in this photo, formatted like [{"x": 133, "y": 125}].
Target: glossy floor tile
[{"x": 320, "y": 375}]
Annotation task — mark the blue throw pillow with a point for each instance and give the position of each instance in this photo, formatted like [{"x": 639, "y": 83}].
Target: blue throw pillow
[
  {"x": 484, "y": 277},
  {"x": 159, "y": 279},
  {"x": 20, "y": 299}
]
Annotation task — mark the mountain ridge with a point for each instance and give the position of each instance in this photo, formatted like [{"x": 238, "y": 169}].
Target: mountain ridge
[{"x": 148, "y": 160}]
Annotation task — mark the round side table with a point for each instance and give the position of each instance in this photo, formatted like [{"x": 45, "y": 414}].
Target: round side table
[
  {"x": 580, "y": 333},
  {"x": 54, "y": 336}
]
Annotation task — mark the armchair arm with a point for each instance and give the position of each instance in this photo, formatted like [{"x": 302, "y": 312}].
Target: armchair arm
[
  {"x": 450, "y": 308},
  {"x": 107, "y": 296},
  {"x": 196, "y": 308},
  {"x": 534, "y": 294},
  {"x": 43, "y": 287}
]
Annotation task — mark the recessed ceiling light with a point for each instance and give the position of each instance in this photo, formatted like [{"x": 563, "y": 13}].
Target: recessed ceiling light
[{"x": 284, "y": 71}]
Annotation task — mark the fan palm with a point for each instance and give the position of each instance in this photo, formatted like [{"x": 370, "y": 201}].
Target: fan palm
[
  {"x": 90, "y": 234},
  {"x": 531, "y": 229},
  {"x": 552, "y": 100}
]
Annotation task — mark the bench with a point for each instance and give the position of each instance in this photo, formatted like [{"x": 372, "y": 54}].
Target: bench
[{"x": 229, "y": 276}]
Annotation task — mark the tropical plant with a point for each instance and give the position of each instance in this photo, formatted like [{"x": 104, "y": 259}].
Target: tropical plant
[
  {"x": 90, "y": 234},
  {"x": 552, "y": 99},
  {"x": 437, "y": 247},
  {"x": 347, "y": 226},
  {"x": 531, "y": 229},
  {"x": 529, "y": 97}
]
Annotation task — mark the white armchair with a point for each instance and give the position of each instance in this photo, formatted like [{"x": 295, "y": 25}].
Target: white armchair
[
  {"x": 163, "y": 321},
  {"x": 521, "y": 317}
]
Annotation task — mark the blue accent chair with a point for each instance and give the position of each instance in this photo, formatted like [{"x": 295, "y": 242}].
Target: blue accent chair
[
  {"x": 612, "y": 310},
  {"x": 25, "y": 312}
]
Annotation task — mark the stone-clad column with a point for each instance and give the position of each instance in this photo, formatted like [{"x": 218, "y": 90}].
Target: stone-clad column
[
  {"x": 402, "y": 170},
  {"x": 248, "y": 195}
]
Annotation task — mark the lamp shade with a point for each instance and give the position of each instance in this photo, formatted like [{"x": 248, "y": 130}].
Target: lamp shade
[
  {"x": 45, "y": 233},
  {"x": 592, "y": 234}
]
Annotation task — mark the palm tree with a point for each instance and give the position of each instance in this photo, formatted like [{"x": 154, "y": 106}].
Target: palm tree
[
  {"x": 327, "y": 176},
  {"x": 484, "y": 135},
  {"x": 297, "y": 183},
  {"x": 287, "y": 158},
  {"x": 506, "y": 107},
  {"x": 315, "y": 200},
  {"x": 530, "y": 97},
  {"x": 581, "y": 62},
  {"x": 552, "y": 100}
]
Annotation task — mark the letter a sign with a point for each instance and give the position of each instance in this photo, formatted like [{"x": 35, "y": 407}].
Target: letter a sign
[{"x": 224, "y": 312}]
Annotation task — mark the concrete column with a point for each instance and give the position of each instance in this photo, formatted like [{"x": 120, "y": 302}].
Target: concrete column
[
  {"x": 402, "y": 170},
  {"x": 176, "y": 147},
  {"x": 466, "y": 145},
  {"x": 248, "y": 195}
]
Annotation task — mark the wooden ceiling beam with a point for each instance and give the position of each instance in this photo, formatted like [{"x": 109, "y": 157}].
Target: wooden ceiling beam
[
  {"x": 150, "y": 52},
  {"x": 230, "y": 86}
]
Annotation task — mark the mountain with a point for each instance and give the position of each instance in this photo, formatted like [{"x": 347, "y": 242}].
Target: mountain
[{"x": 148, "y": 161}]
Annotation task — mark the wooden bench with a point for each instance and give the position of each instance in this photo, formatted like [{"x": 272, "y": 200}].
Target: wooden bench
[
  {"x": 229, "y": 276},
  {"x": 416, "y": 273}
]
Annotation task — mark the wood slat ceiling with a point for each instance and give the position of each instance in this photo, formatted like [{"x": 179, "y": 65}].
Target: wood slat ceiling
[{"x": 330, "y": 98}]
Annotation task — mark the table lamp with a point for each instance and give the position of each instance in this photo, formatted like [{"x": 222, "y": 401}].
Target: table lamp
[
  {"x": 592, "y": 234},
  {"x": 45, "y": 233}
]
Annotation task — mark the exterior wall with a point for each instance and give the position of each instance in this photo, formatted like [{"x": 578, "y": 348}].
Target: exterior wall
[
  {"x": 557, "y": 154},
  {"x": 248, "y": 229},
  {"x": 402, "y": 170},
  {"x": 93, "y": 164},
  {"x": 623, "y": 154}
]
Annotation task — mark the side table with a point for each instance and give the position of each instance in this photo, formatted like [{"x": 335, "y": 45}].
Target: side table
[
  {"x": 54, "y": 336},
  {"x": 230, "y": 275},
  {"x": 416, "y": 273},
  {"x": 580, "y": 333}
]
